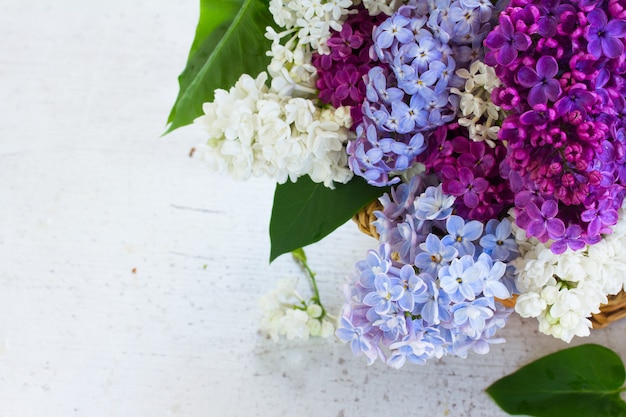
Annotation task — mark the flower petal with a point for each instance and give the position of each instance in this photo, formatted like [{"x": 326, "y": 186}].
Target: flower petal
[
  {"x": 556, "y": 228},
  {"x": 527, "y": 77},
  {"x": 550, "y": 208},
  {"x": 536, "y": 228},
  {"x": 470, "y": 199},
  {"x": 537, "y": 95},
  {"x": 612, "y": 47},
  {"x": 616, "y": 28},
  {"x": 506, "y": 55},
  {"x": 547, "y": 67},
  {"x": 454, "y": 188}
]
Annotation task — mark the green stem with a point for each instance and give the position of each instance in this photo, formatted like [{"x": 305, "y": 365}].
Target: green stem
[{"x": 300, "y": 257}]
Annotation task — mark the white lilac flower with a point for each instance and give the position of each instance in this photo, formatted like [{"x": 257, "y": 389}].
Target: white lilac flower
[
  {"x": 480, "y": 115},
  {"x": 253, "y": 131},
  {"x": 337, "y": 9},
  {"x": 273, "y": 305},
  {"x": 308, "y": 25},
  {"x": 281, "y": 14},
  {"x": 563, "y": 291},
  {"x": 311, "y": 19},
  {"x": 286, "y": 314},
  {"x": 376, "y": 7},
  {"x": 291, "y": 70},
  {"x": 530, "y": 304},
  {"x": 229, "y": 122},
  {"x": 293, "y": 324}
]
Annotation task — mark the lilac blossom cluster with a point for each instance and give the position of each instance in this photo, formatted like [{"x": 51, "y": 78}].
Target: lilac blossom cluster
[
  {"x": 408, "y": 94},
  {"x": 562, "y": 66},
  {"x": 470, "y": 171},
  {"x": 340, "y": 73},
  {"x": 431, "y": 288}
]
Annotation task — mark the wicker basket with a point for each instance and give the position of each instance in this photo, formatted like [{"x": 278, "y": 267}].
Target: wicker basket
[{"x": 614, "y": 310}]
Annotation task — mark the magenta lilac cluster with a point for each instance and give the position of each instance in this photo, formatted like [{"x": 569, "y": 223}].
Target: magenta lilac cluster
[
  {"x": 562, "y": 66},
  {"x": 418, "y": 48},
  {"x": 469, "y": 171},
  {"x": 437, "y": 294},
  {"x": 341, "y": 72}
]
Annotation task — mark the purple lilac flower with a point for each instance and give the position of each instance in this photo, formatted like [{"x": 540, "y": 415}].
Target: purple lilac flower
[
  {"x": 451, "y": 149},
  {"x": 406, "y": 237},
  {"x": 468, "y": 186},
  {"x": 576, "y": 99},
  {"x": 604, "y": 36},
  {"x": 617, "y": 9},
  {"x": 599, "y": 218},
  {"x": 342, "y": 46},
  {"x": 348, "y": 86},
  {"x": 571, "y": 238},
  {"x": 378, "y": 87},
  {"x": 543, "y": 86},
  {"x": 564, "y": 93},
  {"x": 340, "y": 73},
  {"x": 467, "y": 18},
  {"x": 541, "y": 115},
  {"x": 410, "y": 115},
  {"x": 449, "y": 315},
  {"x": 477, "y": 158},
  {"x": 550, "y": 11},
  {"x": 506, "y": 42},
  {"x": 543, "y": 222}
]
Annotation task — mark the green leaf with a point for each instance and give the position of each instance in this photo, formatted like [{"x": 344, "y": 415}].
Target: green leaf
[
  {"x": 583, "y": 381},
  {"x": 213, "y": 13},
  {"x": 304, "y": 212},
  {"x": 230, "y": 41}
]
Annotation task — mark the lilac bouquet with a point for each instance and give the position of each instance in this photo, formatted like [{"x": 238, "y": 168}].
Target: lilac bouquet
[{"x": 492, "y": 134}]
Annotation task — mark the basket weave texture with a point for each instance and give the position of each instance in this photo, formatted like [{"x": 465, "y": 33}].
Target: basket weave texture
[{"x": 614, "y": 310}]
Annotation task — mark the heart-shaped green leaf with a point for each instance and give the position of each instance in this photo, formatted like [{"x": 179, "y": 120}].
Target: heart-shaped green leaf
[
  {"x": 583, "y": 381},
  {"x": 304, "y": 212},
  {"x": 230, "y": 41}
]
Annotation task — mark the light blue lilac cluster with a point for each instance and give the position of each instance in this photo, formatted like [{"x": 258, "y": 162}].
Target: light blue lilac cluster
[
  {"x": 562, "y": 65},
  {"x": 431, "y": 288},
  {"x": 408, "y": 94}
]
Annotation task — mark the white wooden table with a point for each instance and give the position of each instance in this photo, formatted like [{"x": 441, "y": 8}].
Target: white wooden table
[{"x": 130, "y": 275}]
